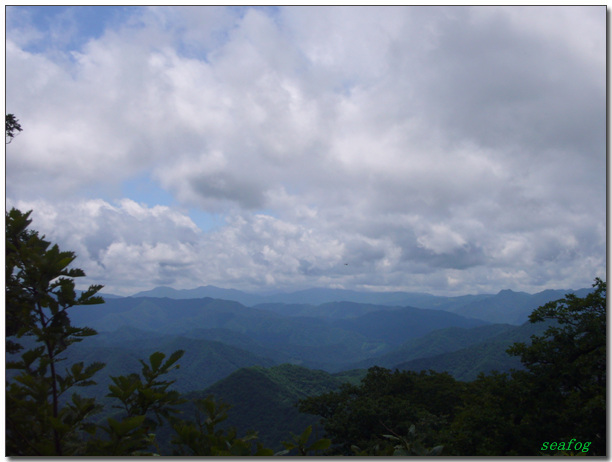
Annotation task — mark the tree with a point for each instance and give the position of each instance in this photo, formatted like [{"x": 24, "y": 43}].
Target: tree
[
  {"x": 40, "y": 290},
  {"x": 560, "y": 396},
  {"x": 202, "y": 437},
  {"x": 145, "y": 401},
  {"x": 567, "y": 366},
  {"x": 574, "y": 349},
  {"x": 12, "y": 127},
  {"x": 357, "y": 418},
  {"x": 496, "y": 418}
]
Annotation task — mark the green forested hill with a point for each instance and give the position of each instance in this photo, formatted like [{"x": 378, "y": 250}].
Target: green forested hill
[{"x": 265, "y": 399}]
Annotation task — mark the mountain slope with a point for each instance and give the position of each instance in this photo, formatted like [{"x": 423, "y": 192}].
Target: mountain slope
[
  {"x": 316, "y": 342},
  {"x": 165, "y": 315},
  {"x": 506, "y": 306},
  {"x": 510, "y": 307},
  {"x": 204, "y": 362},
  {"x": 398, "y": 326},
  {"x": 331, "y": 310},
  {"x": 202, "y": 292},
  {"x": 434, "y": 343},
  {"x": 314, "y": 296},
  {"x": 490, "y": 355},
  {"x": 264, "y": 399}
]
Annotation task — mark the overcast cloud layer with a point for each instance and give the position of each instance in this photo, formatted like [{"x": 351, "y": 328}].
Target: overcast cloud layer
[{"x": 442, "y": 150}]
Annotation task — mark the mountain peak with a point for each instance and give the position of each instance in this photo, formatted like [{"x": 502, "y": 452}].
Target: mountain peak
[{"x": 510, "y": 292}]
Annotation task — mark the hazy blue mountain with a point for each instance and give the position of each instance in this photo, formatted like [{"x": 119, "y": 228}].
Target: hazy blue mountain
[
  {"x": 487, "y": 356},
  {"x": 315, "y": 296},
  {"x": 436, "y": 342},
  {"x": 288, "y": 309},
  {"x": 320, "y": 296},
  {"x": 240, "y": 340},
  {"x": 203, "y": 292},
  {"x": 328, "y": 343},
  {"x": 399, "y": 325},
  {"x": 204, "y": 362},
  {"x": 303, "y": 340},
  {"x": 502, "y": 307},
  {"x": 166, "y": 315},
  {"x": 332, "y": 310},
  {"x": 510, "y": 307},
  {"x": 453, "y": 303},
  {"x": 507, "y": 306}
]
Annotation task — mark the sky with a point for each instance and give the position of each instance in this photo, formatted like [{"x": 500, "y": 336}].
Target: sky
[{"x": 448, "y": 150}]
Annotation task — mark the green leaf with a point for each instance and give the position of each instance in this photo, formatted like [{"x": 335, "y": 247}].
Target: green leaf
[
  {"x": 156, "y": 359},
  {"x": 303, "y": 439},
  {"x": 127, "y": 425},
  {"x": 174, "y": 357},
  {"x": 320, "y": 445}
]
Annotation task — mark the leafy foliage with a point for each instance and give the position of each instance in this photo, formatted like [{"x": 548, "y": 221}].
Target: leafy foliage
[
  {"x": 567, "y": 364},
  {"x": 144, "y": 399},
  {"x": 386, "y": 402},
  {"x": 300, "y": 443},
  {"x": 40, "y": 290},
  {"x": 409, "y": 445},
  {"x": 202, "y": 437},
  {"x": 12, "y": 127}
]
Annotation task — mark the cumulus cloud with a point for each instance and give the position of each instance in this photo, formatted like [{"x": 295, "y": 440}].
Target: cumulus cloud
[{"x": 436, "y": 149}]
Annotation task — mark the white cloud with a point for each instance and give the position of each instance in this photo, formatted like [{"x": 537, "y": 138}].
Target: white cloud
[{"x": 440, "y": 149}]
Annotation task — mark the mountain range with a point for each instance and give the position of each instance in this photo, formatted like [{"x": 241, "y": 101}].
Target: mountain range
[
  {"x": 315, "y": 341},
  {"x": 263, "y": 357},
  {"x": 506, "y": 306}
]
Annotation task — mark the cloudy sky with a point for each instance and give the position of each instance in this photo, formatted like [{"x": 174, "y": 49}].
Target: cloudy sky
[{"x": 448, "y": 150}]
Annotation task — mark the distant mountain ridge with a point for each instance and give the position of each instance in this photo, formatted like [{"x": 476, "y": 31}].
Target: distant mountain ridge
[
  {"x": 314, "y": 296},
  {"x": 354, "y": 332},
  {"x": 507, "y": 306},
  {"x": 511, "y": 307},
  {"x": 484, "y": 356},
  {"x": 202, "y": 292},
  {"x": 435, "y": 343}
]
